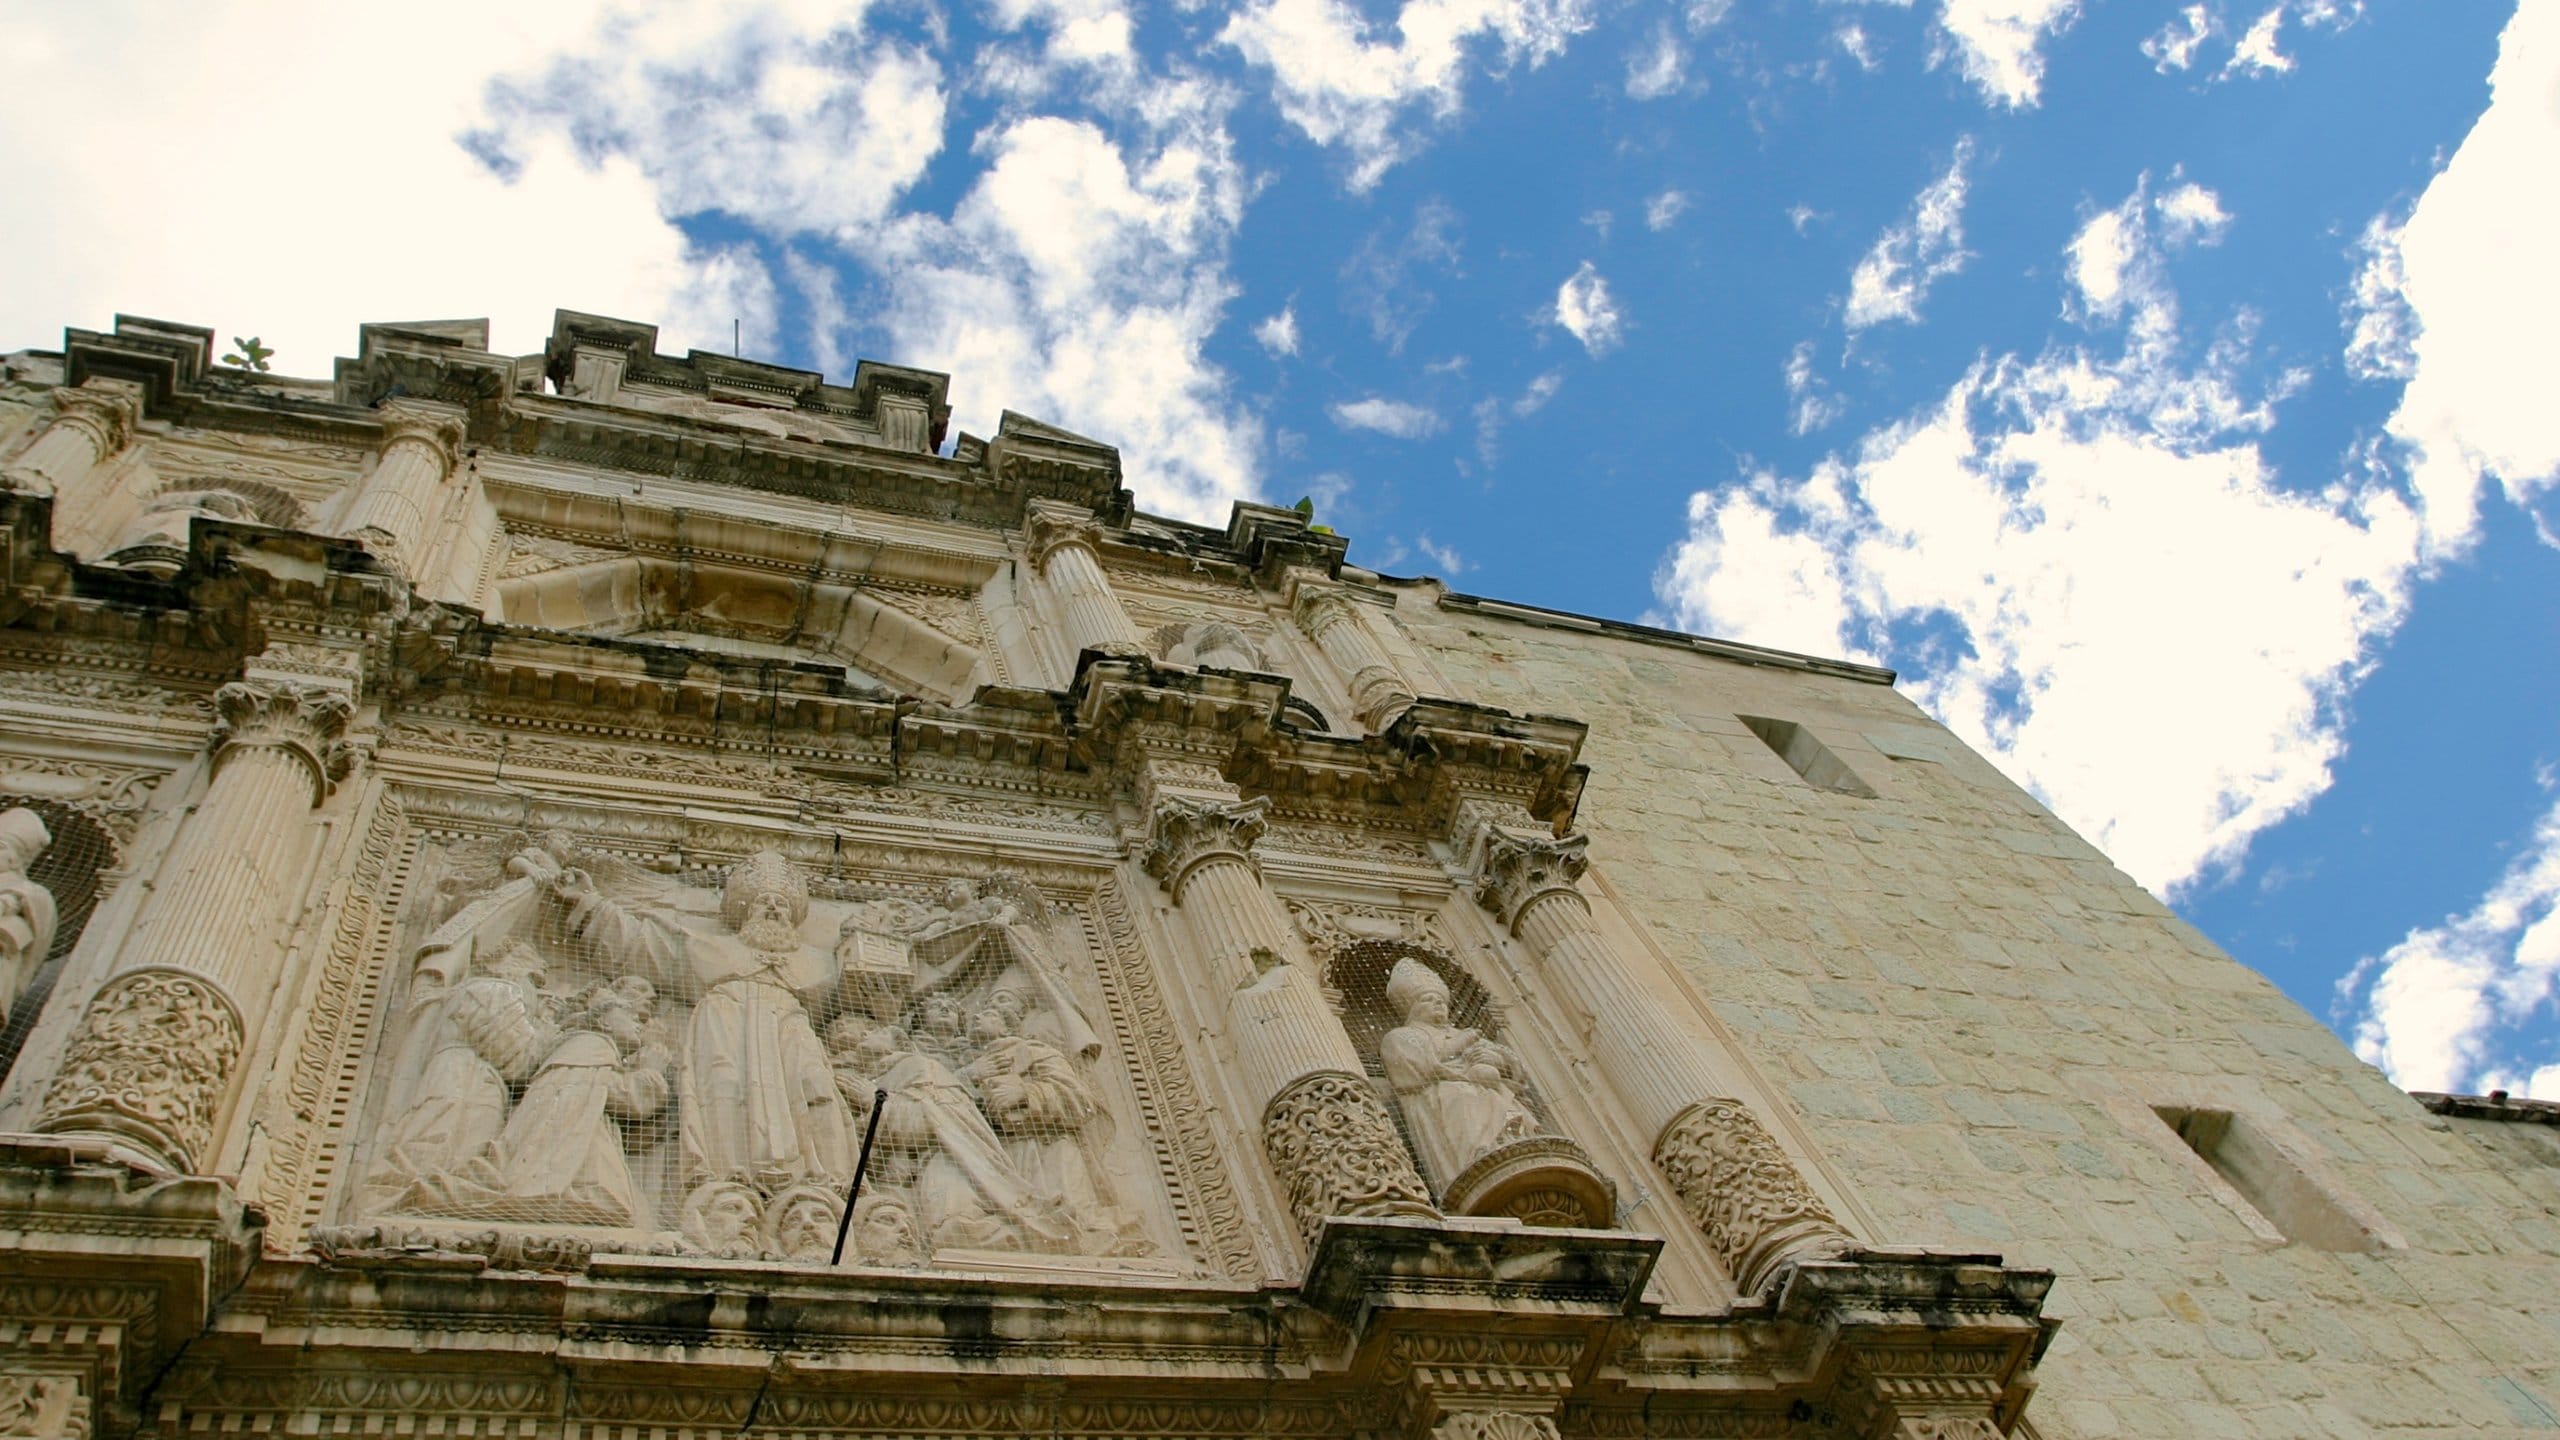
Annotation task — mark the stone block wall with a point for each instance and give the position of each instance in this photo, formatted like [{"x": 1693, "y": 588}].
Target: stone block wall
[{"x": 1980, "y": 1025}]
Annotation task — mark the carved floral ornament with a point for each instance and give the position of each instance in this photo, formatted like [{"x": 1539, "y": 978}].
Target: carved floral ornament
[
  {"x": 1494, "y": 1425},
  {"x": 1519, "y": 868},
  {"x": 150, "y": 1060},
  {"x": 1740, "y": 1188},
  {"x": 1331, "y": 1143},
  {"x": 1184, "y": 833},
  {"x": 305, "y": 721}
]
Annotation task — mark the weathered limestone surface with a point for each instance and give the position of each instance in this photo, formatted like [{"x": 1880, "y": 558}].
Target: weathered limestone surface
[{"x": 495, "y": 842}]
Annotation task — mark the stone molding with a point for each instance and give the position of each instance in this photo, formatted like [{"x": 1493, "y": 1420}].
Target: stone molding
[
  {"x": 307, "y": 722},
  {"x": 1337, "y": 1153},
  {"x": 1183, "y": 833},
  {"x": 1744, "y": 1192},
  {"x": 154, "y": 1052},
  {"x": 1519, "y": 869}
]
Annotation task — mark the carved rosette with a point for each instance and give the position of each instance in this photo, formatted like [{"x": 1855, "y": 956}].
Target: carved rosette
[
  {"x": 149, "y": 1062},
  {"x": 1743, "y": 1191},
  {"x": 1334, "y": 1147},
  {"x": 1519, "y": 869},
  {"x": 307, "y": 722},
  {"x": 1183, "y": 833}
]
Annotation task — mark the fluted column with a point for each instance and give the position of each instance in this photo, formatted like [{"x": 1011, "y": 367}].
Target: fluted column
[
  {"x": 1062, "y": 551},
  {"x": 1733, "y": 1179},
  {"x": 91, "y": 423},
  {"x": 154, "y": 1056},
  {"x": 394, "y": 511},
  {"x": 1378, "y": 692},
  {"x": 1324, "y": 1129}
]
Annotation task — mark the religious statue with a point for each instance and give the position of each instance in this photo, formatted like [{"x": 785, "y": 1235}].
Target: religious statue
[
  {"x": 1048, "y": 1115},
  {"x": 802, "y": 1224},
  {"x": 559, "y": 1159},
  {"x": 1459, "y": 1089},
  {"x": 26, "y": 908},
  {"x": 464, "y": 1049},
  {"x": 723, "y": 1218},
  {"x": 757, "y": 1101},
  {"x": 935, "y": 1145},
  {"x": 884, "y": 1232}
]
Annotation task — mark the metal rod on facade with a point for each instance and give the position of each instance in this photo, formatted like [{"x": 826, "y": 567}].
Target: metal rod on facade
[{"x": 844, "y": 1227}]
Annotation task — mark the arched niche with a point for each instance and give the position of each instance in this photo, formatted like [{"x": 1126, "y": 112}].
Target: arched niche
[{"x": 74, "y": 868}]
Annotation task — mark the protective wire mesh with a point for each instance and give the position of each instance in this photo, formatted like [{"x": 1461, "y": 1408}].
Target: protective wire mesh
[
  {"x": 70, "y": 868},
  {"x": 694, "y": 1069}
]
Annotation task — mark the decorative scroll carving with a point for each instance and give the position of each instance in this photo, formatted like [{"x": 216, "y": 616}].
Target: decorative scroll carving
[
  {"x": 150, "y": 1059},
  {"x": 1494, "y": 1425},
  {"x": 1337, "y": 1152},
  {"x": 307, "y": 722},
  {"x": 1740, "y": 1188},
  {"x": 1331, "y": 927},
  {"x": 1184, "y": 832},
  {"x": 1520, "y": 868}
]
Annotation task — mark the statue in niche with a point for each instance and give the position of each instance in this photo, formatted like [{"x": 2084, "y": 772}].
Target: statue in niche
[
  {"x": 467, "y": 1044},
  {"x": 1459, "y": 1089},
  {"x": 1050, "y": 1120},
  {"x": 935, "y": 1148},
  {"x": 757, "y": 1102},
  {"x": 560, "y": 1156},
  {"x": 26, "y": 908}
]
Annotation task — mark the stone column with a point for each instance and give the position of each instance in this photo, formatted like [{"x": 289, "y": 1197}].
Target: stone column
[
  {"x": 1378, "y": 692},
  {"x": 1328, "y": 1137},
  {"x": 154, "y": 1057},
  {"x": 1732, "y": 1177},
  {"x": 1063, "y": 552},
  {"x": 395, "y": 510},
  {"x": 91, "y": 423}
]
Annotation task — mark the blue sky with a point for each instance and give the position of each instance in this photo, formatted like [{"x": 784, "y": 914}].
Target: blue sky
[{"x": 2165, "y": 390}]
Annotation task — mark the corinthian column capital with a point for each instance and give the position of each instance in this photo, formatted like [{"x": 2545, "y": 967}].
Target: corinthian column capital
[
  {"x": 1182, "y": 833},
  {"x": 307, "y": 722},
  {"x": 1047, "y": 529},
  {"x": 107, "y": 409},
  {"x": 1517, "y": 869},
  {"x": 421, "y": 422}
]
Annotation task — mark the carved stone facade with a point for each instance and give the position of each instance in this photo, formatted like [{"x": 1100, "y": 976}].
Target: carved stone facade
[{"x": 736, "y": 911}]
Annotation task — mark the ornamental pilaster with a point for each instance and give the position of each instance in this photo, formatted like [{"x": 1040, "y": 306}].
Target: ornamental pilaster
[
  {"x": 153, "y": 1062},
  {"x": 1328, "y": 1136},
  {"x": 1063, "y": 545},
  {"x": 1378, "y": 692},
  {"x": 1732, "y": 1178},
  {"x": 395, "y": 508},
  {"x": 92, "y": 423}
]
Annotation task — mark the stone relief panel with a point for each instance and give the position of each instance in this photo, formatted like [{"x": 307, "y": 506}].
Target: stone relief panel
[{"x": 594, "y": 1052}]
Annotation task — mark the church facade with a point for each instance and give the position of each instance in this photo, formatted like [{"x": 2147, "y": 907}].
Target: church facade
[{"x": 601, "y": 894}]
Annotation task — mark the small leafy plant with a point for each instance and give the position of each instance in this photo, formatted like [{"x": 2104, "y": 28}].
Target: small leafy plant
[{"x": 249, "y": 354}]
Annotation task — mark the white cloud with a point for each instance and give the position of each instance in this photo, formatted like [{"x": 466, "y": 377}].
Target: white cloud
[
  {"x": 1908, "y": 258},
  {"x": 2190, "y": 214},
  {"x": 1996, "y": 43},
  {"x": 1852, "y": 39},
  {"x": 2257, "y": 53},
  {"x": 1659, "y": 68},
  {"x": 1343, "y": 87},
  {"x": 1279, "y": 333},
  {"x": 2484, "y": 296},
  {"x": 1811, "y": 405},
  {"x": 1802, "y": 216},
  {"x": 1664, "y": 210},
  {"x": 1441, "y": 555},
  {"x": 1387, "y": 279},
  {"x": 2174, "y": 46},
  {"x": 2012, "y": 543},
  {"x": 1541, "y": 390},
  {"x": 1588, "y": 312},
  {"x": 1387, "y": 417},
  {"x": 2382, "y": 331},
  {"x": 2101, "y": 253},
  {"x": 2439, "y": 1010},
  {"x": 237, "y": 270}
]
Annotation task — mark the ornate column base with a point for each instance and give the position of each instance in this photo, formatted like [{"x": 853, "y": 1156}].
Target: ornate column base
[
  {"x": 148, "y": 1066},
  {"x": 1332, "y": 1145},
  {"x": 1744, "y": 1192}
]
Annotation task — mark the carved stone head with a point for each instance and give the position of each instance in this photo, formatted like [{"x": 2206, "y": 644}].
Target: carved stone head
[
  {"x": 1412, "y": 985},
  {"x": 763, "y": 875},
  {"x": 22, "y": 838}
]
